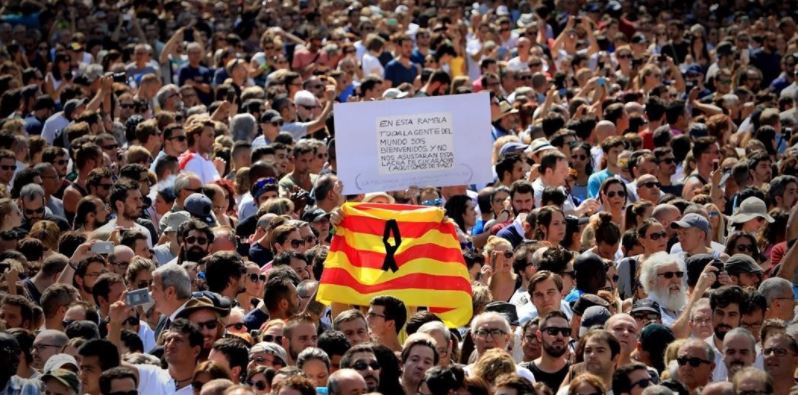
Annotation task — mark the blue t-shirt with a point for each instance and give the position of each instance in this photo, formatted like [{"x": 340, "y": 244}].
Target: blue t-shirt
[
  {"x": 594, "y": 182},
  {"x": 417, "y": 57},
  {"x": 200, "y": 75},
  {"x": 397, "y": 73}
]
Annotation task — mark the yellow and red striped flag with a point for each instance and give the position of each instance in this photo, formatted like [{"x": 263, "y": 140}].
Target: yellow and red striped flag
[{"x": 405, "y": 251}]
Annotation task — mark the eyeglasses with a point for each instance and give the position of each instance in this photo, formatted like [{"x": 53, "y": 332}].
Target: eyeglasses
[
  {"x": 196, "y": 240},
  {"x": 612, "y": 194},
  {"x": 238, "y": 325},
  {"x": 272, "y": 338},
  {"x": 650, "y": 184},
  {"x": 9, "y": 167},
  {"x": 363, "y": 365},
  {"x": 39, "y": 347},
  {"x": 179, "y": 137},
  {"x": 259, "y": 385},
  {"x": 553, "y": 331},
  {"x": 657, "y": 235},
  {"x": 210, "y": 324},
  {"x": 669, "y": 275},
  {"x": 492, "y": 332},
  {"x": 297, "y": 242},
  {"x": 777, "y": 351},
  {"x": 143, "y": 284},
  {"x": 110, "y": 147},
  {"x": 643, "y": 383},
  {"x": 624, "y": 56},
  {"x": 372, "y": 314},
  {"x": 693, "y": 361},
  {"x": 255, "y": 277}
]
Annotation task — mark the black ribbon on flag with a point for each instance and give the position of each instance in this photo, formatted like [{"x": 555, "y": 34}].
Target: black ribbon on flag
[{"x": 391, "y": 226}]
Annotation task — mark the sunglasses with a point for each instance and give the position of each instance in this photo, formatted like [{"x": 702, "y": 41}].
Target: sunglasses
[
  {"x": 34, "y": 211},
  {"x": 238, "y": 325},
  {"x": 744, "y": 248},
  {"x": 196, "y": 240},
  {"x": 507, "y": 254},
  {"x": 669, "y": 275},
  {"x": 131, "y": 321},
  {"x": 553, "y": 331},
  {"x": 612, "y": 194},
  {"x": 110, "y": 147},
  {"x": 693, "y": 362},
  {"x": 180, "y": 137},
  {"x": 126, "y": 105},
  {"x": 668, "y": 161},
  {"x": 297, "y": 242},
  {"x": 657, "y": 235},
  {"x": 255, "y": 277},
  {"x": 259, "y": 385},
  {"x": 650, "y": 184},
  {"x": 363, "y": 365},
  {"x": 9, "y": 167},
  {"x": 277, "y": 123},
  {"x": 210, "y": 325},
  {"x": 272, "y": 339},
  {"x": 143, "y": 284},
  {"x": 645, "y": 316},
  {"x": 625, "y": 56},
  {"x": 61, "y": 162},
  {"x": 644, "y": 383}
]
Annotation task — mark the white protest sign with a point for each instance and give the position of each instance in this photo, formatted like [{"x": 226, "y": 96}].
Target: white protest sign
[{"x": 431, "y": 141}]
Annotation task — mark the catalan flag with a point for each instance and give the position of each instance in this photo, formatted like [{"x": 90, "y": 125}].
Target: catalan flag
[{"x": 405, "y": 251}]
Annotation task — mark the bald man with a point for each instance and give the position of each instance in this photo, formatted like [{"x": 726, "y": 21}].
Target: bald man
[
  {"x": 121, "y": 259},
  {"x": 346, "y": 382}
]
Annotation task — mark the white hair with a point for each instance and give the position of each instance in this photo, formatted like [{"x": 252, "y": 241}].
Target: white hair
[
  {"x": 435, "y": 327},
  {"x": 489, "y": 316},
  {"x": 648, "y": 278}
]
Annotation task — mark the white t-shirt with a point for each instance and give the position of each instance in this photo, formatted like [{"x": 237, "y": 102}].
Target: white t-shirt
[
  {"x": 372, "y": 66},
  {"x": 156, "y": 381},
  {"x": 195, "y": 163}
]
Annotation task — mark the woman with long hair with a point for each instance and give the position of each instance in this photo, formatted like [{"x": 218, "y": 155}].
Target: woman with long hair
[
  {"x": 462, "y": 210},
  {"x": 717, "y": 223},
  {"x": 636, "y": 213},
  {"x": 59, "y": 77},
  {"x": 613, "y": 198},
  {"x": 254, "y": 282},
  {"x": 582, "y": 163},
  {"x": 653, "y": 238},
  {"x": 499, "y": 255},
  {"x": 550, "y": 225}
]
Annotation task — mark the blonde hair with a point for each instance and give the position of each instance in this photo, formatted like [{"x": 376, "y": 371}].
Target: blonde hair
[
  {"x": 480, "y": 297},
  {"x": 47, "y": 232},
  {"x": 493, "y": 242},
  {"x": 492, "y": 364},
  {"x": 499, "y": 143}
]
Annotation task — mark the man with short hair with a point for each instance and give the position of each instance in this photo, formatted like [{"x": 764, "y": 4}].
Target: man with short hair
[
  {"x": 300, "y": 176},
  {"x": 46, "y": 276},
  {"x": 352, "y": 323},
  {"x": 386, "y": 317},
  {"x": 299, "y": 333},
  {"x": 203, "y": 312},
  {"x": 55, "y": 302},
  {"x": 554, "y": 171},
  {"x": 611, "y": 148},
  {"x": 696, "y": 363},
  {"x": 346, "y": 382},
  {"x": 624, "y": 327},
  {"x": 739, "y": 351},
  {"x": 781, "y": 360},
  {"x": 223, "y": 273},
  {"x": 418, "y": 355},
  {"x": 118, "y": 380},
  {"x": 783, "y": 192},
  {"x": 96, "y": 356},
  {"x": 631, "y": 379},
  {"x": 194, "y": 74},
  {"x": 554, "y": 334},
  {"x": 705, "y": 152},
  {"x": 107, "y": 289},
  {"x": 47, "y": 343},
  {"x": 182, "y": 346},
  {"x": 362, "y": 359},
  {"x": 233, "y": 354},
  {"x": 127, "y": 203},
  {"x": 725, "y": 303},
  {"x": 443, "y": 340},
  {"x": 780, "y": 298},
  {"x": 196, "y": 159},
  {"x": 170, "y": 291},
  {"x": 401, "y": 69}
]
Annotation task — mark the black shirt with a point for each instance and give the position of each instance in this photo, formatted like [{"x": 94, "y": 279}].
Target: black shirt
[{"x": 552, "y": 380}]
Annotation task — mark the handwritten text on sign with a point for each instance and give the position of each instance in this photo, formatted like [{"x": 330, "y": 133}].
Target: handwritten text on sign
[{"x": 418, "y": 142}]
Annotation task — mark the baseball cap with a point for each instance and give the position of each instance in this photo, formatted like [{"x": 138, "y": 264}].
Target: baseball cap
[
  {"x": 593, "y": 316},
  {"x": 639, "y": 38},
  {"x": 394, "y": 93},
  {"x": 751, "y": 208},
  {"x": 305, "y": 98},
  {"x": 692, "y": 220},
  {"x": 200, "y": 207},
  {"x": 512, "y": 148},
  {"x": 262, "y": 186},
  {"x": 741, "y": 263},
  {"x": 724, "y": 48},
  {"x": 506, "y": 309},
  {"x": 314, "y": 215},
  {"x": 270, "y": 348},
  {"x": 171, "y": 221},
  {"x": 65, "y": 377},
  {"x": 694, "y": 69},
  {"x": 60, "y": 361},
  {"x": 645, "y": 306},
  {"x": 72, "y": 105},
  {"x": 270, "y": 116}
]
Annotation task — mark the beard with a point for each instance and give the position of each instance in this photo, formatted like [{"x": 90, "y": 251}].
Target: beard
[
  {"x": 669, "y": 300},
  {"x": 194, "y": 254},
  {"x": 721, "y": 331},
  {"x": 556, "y": 350}
]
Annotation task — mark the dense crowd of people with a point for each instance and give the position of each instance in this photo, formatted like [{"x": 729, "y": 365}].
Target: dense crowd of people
[{"x": 168, "y": 195}]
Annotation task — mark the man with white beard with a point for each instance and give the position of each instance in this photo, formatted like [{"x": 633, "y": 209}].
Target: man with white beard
[{"x": 663, "y": 278}]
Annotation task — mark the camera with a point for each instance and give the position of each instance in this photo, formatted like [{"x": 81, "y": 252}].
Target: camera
[
  {"x": 68, "y": 75},
  {"x": 120, "y": 77}
]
